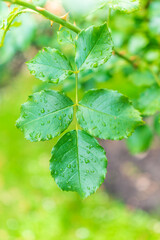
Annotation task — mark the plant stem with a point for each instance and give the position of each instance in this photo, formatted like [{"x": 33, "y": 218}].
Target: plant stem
[
  {"x": 10, "y": 23},
  {"x": 126, "y": 59},
  {"x": 46, "y": 14},
  {"x": 60, "y": 21},
  {"x": 76, "y": 78}
]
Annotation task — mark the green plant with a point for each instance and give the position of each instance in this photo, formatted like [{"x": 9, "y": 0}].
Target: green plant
[{"x": 78, "y": 162}]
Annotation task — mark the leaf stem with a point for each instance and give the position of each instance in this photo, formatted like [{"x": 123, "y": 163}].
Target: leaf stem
[
  {"x": 46, "y": 14},
  {"x": 76, "y": 78}
]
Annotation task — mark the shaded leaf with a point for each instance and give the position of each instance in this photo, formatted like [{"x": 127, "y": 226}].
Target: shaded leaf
[
  {"x": 127, "y": 6},
  {"x": 141, "y": 140},
  {"x": 50, "y": 65},
  {"x": 65, "y": 36},
  {"x": 46, "y": 115},
  {"x": 93, "y": 47},
  {"x": 78, "y": 163},
  {"x": 107, "y": 114},
  {"x": 149, "y": 101}
]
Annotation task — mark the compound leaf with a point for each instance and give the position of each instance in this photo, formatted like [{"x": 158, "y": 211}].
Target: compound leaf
[
  {"x": 78, "y": 163},
  {"x": 149, "y": 101},
  {"x": 141, "y": 140},
  {"x": 127, "y": 6},
  {"x": 107, "y": 114},
  {"x": 93, "y": 47},
  {"x": 50, "y": 65},
  {"x": 46, "y": 115}
]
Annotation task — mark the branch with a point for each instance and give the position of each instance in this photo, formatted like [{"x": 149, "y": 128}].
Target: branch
[
  {"x": 60, "y": 21},
  {"x": 46, "y": 14},
  {"x": 125, "y": 58}
]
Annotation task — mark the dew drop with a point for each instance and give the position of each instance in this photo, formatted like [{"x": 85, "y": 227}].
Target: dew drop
[
  {"x": 95, "y": 65},
  {"x": 42, "y": 110},
  {"x": 70, "y": 72},
  {"x": 41, "y": 74},
  {"x": 69, "y": 166},
  {"x": 49, "y": 136},
  {"x": 70, "y": 116},
  {"x": 87, "y": 161},
  {"x": 33, "y": 72},
  {"x": 104, "y": 124},
  {"x": 56, "y": 81}
]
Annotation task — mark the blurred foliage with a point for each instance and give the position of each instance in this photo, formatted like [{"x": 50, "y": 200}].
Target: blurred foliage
[
  {"x": 31, "y": 205},
  {"x": 141, "y": 140}
]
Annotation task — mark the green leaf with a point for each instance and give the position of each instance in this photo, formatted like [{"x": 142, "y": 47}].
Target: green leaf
[
  {"x": 141, "y": 140},
  {"x": 149, "y": 101},
  {"x": 127, "y": 6},
  {"x": 16, "y": 24},
  {"x": 50, "y": 65},
  {"x": 46, "y": 115},
  {"x": 94, "y": 47},
  {"x": 65, "y": 37},
  {"x": 78, "y": 163},
  {"x": 107, "y": 114}
]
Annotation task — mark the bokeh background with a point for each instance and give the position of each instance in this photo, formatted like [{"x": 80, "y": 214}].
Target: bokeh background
[{"x": 32, "y": 207}]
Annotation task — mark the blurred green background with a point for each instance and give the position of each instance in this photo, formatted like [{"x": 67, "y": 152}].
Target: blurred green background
[{"x": 32, "y": 207}]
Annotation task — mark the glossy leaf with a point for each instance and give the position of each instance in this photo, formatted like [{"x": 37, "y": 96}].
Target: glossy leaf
[
  {"x": 149, "y": 101},
  {"x": 107, "y": 114},
  {"x": 65, "y": 36},
  {"x": 78, "y": 163},
  {"x": 123, "y": 5},
  {"x": 93, "y": 47},
  {"x": 141, "y": 140},
  {"x": 45, "y": 115},
  {"x": 50, "y": 65}
]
